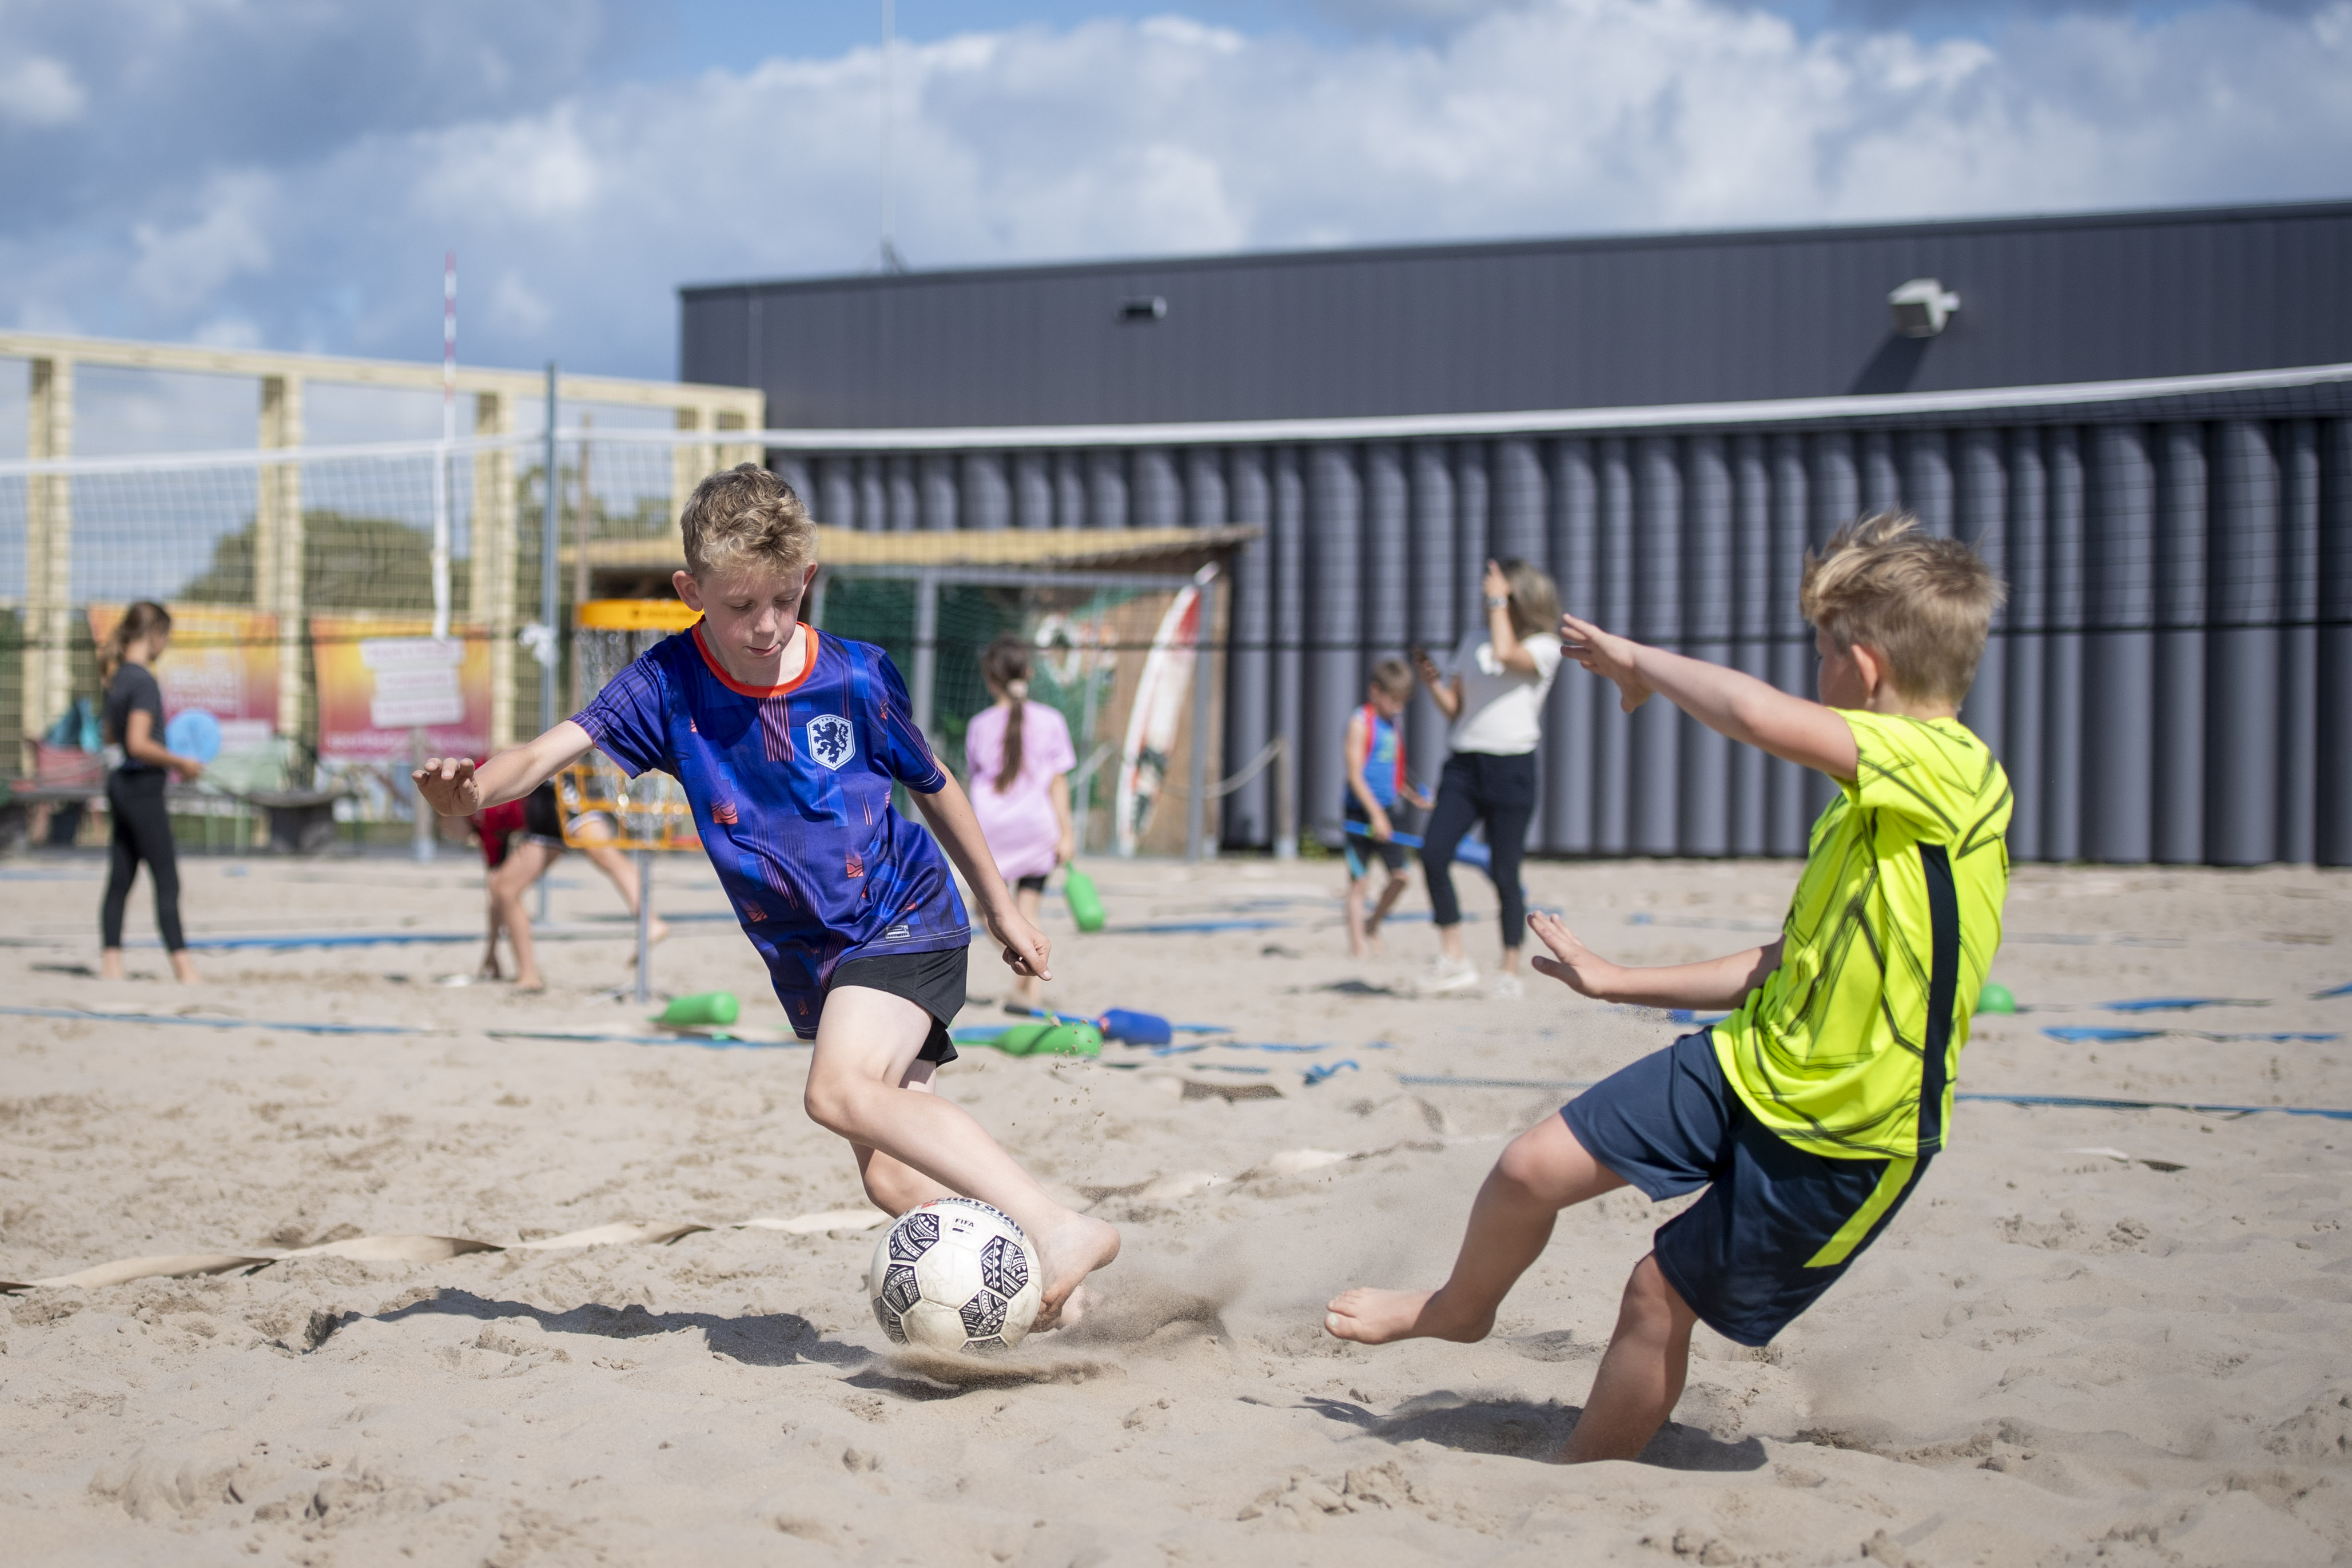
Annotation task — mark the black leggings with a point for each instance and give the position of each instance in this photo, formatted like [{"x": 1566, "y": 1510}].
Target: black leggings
[
  {"x": 142, "y": 831},
  {"x": 1501, "y": 791}
]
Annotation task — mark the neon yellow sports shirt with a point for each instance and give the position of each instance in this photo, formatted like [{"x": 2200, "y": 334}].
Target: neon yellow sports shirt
[{"x": 1848, "y": 1048}]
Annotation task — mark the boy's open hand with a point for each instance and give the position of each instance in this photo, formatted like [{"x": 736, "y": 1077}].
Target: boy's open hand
[
  {"x": 1606, "y": 655},
  {"x": 1026, "y": 949},
  {"x": 447, "y": 786},
  {"x": 1571, "y": 963}
]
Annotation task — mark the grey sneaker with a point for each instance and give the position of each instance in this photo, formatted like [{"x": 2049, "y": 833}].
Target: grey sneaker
[
  {"x": 1444, "y": 974},
  {"x": 1505, "y": 988}
]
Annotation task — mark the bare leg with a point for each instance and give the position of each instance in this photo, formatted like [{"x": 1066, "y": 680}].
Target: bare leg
[
  {"x": 524, "y": 865},
  {"x": 184, "y": 968},
  {"x": 1543, "y": 1171},
  {"x": 623, "y": 873},
  {"x": 891, "y": 1185},
  {"x": 1389, "y": 896},
  {"x": 1358, "y": 931},
  {"x": 1641, "y": 1374},
  {"x": 1449, "y": 938},
  {"x": 1027, "y": 989},
  {"x": 109, "y": 963},
  {"x": 867, "y": 1043}
]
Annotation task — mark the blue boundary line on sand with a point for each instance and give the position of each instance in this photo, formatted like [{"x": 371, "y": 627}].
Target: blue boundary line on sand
[
  {"x": 86, "y": 1015},
  {"x": 2077, "y": 1101}
]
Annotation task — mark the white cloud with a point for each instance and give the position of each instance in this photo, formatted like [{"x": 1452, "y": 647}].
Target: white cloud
[
  {"x": 1117, "y": 137},
  {"x": 39, "y": 91},
  {"x": 184, "y": 269}
]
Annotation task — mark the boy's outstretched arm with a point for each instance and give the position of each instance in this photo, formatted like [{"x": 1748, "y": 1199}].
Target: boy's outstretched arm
[
  {"x": 453, "y": 786},
  {"x": 948, "y": 810},
  {"x": 1711, "y": 983},
  {"x": 1724, "y": 701}
]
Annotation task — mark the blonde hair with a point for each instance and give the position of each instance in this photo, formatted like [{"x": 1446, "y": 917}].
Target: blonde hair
[
  {"x": 746, "y": 516},
  {"x": 1921, "y": 602},
  {"x": 1394, "y": 676},
  {"x": 1535, "y": 598}
]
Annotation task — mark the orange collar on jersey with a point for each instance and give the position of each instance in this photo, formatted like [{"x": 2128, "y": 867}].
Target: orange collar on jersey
[{"x": 808, "y": 664}]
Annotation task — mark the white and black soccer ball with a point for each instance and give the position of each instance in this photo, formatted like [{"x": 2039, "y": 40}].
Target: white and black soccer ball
[{"x": 956, "y": 1275}]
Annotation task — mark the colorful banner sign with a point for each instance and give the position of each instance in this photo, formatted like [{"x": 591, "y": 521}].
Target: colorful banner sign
[
  {"x": 381, "y": 678},
  {"x": 223, "y": 661}
]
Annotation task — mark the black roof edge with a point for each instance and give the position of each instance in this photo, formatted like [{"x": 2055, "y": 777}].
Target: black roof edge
[{"x": 1670, "y": 238}]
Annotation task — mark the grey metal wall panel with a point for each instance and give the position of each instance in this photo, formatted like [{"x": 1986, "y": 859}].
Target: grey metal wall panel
[
  {"x": 1107, "y": 498},
  {"x": 1568, "y": 733},
  {"x": 1607, "y": 322},
  {"x": 2119, "y": 651},
  {"x": 1033, "y": 489},
  {"x": 1704, "y": 809},
  {"x": 1791, "y": 652},
  {"x": 1158, "y": 498},
  {"x": 2298, "y": 637},
  {"x": 1750, "y": 587},
  {"x": 940, "y": 496},
  {"x": 2170, "y": 680},
  {"x": 1288, "y": 533},
  {"x": 1657, "y": 618},
  {"x": 2242, "y": 719},
  {"x": 798, "y": 472},
  {"x": 1430, "y": 534},
  {"x": 1249, "y": 685},
  {"x": 2332, "y": 755},
  {"x": 1335, "y": 523},
  {"x": 1979, "y": 518},
  {"x": 2026, "y": 751},
  {"x": 2063, "y": 737},
  {"x": 2180, "y": 553},
  {"x": 1613, "y": 730}
]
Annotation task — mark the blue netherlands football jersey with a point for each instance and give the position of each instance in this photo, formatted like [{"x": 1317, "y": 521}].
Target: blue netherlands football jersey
[{"x": 791, "y": 788}]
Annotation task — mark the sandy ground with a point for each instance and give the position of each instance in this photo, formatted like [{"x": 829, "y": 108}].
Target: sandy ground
[{"x": 2056, "y": 1356}]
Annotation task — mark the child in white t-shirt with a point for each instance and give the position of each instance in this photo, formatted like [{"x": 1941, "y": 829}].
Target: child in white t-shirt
[
  {"x": 1018, "y": 756},
  {"x": 1493, "y": 691}
]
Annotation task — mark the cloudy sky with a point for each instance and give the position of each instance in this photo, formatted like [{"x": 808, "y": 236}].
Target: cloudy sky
[{"x": 287, "y": 173}]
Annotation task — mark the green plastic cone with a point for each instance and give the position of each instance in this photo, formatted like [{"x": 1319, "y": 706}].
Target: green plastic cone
[
  {"x": 704, "y": 1008},
  {"x": 1996, "y": 999}
]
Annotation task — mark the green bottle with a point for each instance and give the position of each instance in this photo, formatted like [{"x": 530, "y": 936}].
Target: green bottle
[{"x": 1079, "y": 892}]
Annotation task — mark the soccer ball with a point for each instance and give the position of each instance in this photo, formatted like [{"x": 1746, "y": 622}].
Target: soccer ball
[{"x": 956, "y": 1275}]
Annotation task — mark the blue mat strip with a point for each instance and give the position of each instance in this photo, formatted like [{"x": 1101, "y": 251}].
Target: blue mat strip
[
  {"x": 712, "y": 1042},
  {"x": 200, "y": 1023}
]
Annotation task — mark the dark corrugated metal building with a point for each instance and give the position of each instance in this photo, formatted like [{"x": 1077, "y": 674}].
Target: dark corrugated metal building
[{"x": 2142, "y": 418}]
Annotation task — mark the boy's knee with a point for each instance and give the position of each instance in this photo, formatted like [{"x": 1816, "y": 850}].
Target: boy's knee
[
  {"x": 832, "y": 1102},
  {"x": 1530, "y": 1163},
  {"x": 1650, "y": 1298}
]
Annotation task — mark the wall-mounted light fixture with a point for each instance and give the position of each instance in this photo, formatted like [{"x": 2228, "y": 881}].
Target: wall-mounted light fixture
[
  {"x": 1142, "y": 308},
  {"x": 1921, "y": 307}
]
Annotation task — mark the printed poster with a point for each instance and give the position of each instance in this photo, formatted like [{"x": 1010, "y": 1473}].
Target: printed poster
[
  {"x": 381, "y": 678},
  {"x": 223, "y": 661}
]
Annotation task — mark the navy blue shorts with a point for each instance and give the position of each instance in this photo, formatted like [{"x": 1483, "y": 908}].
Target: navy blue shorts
[{"x": 1778, "y": 1225}]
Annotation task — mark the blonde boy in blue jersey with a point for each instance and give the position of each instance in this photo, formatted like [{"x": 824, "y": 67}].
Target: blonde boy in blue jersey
[
  {"x": 788, "y": 745},
  {"x": 1812, "y": 1111}
]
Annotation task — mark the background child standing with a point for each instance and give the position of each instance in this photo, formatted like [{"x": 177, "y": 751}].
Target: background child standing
[
  {"x": 1376, "y": 779},
  {"x": 1018, "y": 756}
]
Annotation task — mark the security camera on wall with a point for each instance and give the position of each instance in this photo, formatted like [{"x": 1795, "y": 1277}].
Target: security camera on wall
[{"x": 1921, "y": 307}]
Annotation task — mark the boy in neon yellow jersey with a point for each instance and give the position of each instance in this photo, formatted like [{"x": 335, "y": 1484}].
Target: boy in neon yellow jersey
[{"x": 1812, "y": 1111}]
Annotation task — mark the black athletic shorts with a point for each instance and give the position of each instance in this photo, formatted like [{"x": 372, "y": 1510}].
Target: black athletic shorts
[
  {"x": 931, "y": 981},
  {"x": 1779, "y": 1223},
  {"x": 1030, "y": 885}
]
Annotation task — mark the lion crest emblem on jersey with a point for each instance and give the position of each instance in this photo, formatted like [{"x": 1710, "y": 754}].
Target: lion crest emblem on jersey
[{"x": 831, "y": 740}]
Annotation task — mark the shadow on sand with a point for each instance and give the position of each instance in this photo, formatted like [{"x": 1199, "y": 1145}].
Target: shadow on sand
[
  {"x": 1523, "y": 1429},
  {"x": 774, "y": 1339}
]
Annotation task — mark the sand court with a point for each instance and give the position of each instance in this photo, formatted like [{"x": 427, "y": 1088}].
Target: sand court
[{"x": 2101, "y": 1334}]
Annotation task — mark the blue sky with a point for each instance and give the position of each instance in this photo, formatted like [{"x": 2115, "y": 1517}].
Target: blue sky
[{"x": 287, "y": 173}]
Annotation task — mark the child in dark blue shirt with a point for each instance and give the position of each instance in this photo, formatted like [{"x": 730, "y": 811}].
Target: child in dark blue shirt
[{"x": 787, "y": 744}]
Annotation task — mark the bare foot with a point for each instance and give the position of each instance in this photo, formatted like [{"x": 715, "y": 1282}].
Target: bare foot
[
  {"x": 1076, "y": 1249},
  {"x": 109, "y": 964},
  {"x": 1377, "y": 1317},
  {"x": 184, "y": 968},
  {"x": 530, "y": 982}
]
